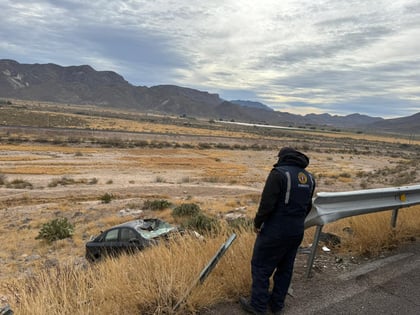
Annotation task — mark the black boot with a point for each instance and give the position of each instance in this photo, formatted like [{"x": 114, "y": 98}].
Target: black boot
[{"x": 246, "y": 306}]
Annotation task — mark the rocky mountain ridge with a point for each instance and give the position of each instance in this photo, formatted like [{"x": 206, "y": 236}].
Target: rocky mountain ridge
[{"x": 84, "y": 85}]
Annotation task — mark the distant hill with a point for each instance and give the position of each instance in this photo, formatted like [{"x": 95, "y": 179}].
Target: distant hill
[
  {"x": 84, "y": 85},
  {"x": 352, "y": 121},
  {"x": 251, "y": 104},
  {"x": 408, "y": 125}
]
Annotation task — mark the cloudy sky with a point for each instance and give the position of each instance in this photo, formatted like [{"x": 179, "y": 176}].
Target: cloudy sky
[{"x": 308, "y": 56}]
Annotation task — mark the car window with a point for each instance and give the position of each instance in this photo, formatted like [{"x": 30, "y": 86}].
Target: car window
[
  {"x": 127, "y": 234},
  {"x": 111, "y": 236}
]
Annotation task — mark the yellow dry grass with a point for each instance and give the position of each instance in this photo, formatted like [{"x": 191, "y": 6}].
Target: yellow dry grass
[
  {"x": 40, "y": 170},
  {"x": 153, "y": 281},
  {"x": 137, "y": 284},
  {"x": 46, "y": 148},
  {"x": 373, "y": 233},
  {"x": 356, "y": 136},
  {"x": 134, "y": 126}
]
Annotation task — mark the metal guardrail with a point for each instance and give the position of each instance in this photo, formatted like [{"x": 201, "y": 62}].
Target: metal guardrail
[
  {"x": 332, "y": 206},
  {"x": 207, "y": 269}
]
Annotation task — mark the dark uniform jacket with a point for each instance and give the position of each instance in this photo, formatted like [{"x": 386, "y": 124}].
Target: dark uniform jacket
[{"x": 286, "y": 198}]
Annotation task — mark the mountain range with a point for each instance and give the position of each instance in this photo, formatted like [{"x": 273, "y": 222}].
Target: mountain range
[{"x": 84, "y": 85}]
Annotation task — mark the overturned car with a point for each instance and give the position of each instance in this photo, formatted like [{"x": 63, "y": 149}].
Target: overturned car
[{"x": 128, "y": 237}]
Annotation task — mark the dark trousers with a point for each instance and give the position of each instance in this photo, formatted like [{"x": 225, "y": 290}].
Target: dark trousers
[{"x": 272, "y": 255}]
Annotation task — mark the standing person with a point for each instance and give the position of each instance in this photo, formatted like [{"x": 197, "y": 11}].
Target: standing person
[{"x": 279, "y": 223}]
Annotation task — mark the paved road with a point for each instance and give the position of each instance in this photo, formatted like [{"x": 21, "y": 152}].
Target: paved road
[
  {"x": 401, "y": 295},
  {"x": 386, "y": 286}
]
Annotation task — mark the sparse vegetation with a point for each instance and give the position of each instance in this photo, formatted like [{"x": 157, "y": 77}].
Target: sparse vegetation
[
  {"x": 106, "y": 198},
  {"x": 185, "y": 179},
  {"x": 160, "y": 179},
  {"x": 241, "y": 223},
  {"x": 56, "y": 229},
  {"x": 19, "y": 184},
  {"x": 158, "y": 204},
  {"x": 202, "y": 223},
  {"x": 65, "y": 181},
  {"x": 5, "y": 102},
  {"x": 345, "y": 175},
  {"x": 3, "y": 179},
  {"x": 93, "y": 181},
  {"x": 213, "y": 179},
  {"x": 186, "y": 210}
]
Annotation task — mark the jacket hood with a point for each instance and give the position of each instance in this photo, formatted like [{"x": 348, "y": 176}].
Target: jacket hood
[{"x": 291, "y": 156}]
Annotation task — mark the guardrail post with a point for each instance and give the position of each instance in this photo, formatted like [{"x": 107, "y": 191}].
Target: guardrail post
[
  {"x": 394, "y": 217},
  {"x": 314, "y": 247}
]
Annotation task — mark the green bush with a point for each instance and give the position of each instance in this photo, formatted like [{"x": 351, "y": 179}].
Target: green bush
[
  {"x": 186, "y": 210},
  {"x": 56, "y": 229},
  {"x": 202, "y": 224},
  {"x": 158, "y": 204}
]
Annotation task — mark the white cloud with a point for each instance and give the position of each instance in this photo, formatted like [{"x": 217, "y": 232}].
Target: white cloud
[{"x": 315, "y": 54}]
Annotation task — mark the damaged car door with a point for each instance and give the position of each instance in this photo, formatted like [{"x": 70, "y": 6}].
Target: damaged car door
[{"x": 114, "y": 242}]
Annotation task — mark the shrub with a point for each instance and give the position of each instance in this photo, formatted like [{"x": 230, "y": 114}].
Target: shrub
[
  {"x": 241, "y": 223},
  {"x": 185, "y": 179},
  {"x": 19, "y": 184},
  {"x": 159, "y": 204},
  {"x": 3, "y": 179},
  {"x": 160, "y": 179},
  {"x": 64, "y": 181},
  {"x": 202, "y": 224},
  {"x": 203, "y": 145},
  {"x": 345, "y": 175},
  {"x": 56, "y": 229},
  {"x": 93, "y": 181},
  {"x": 106, "y": 198},
  {"x": 186, "y": 209},
  {"x": 213, "y": 179},
  {"x": 363, "y": 184},
  {"x": 222, "y": 146}
]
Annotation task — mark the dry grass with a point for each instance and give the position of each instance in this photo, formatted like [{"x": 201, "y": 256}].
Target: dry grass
[
  {"x": 138, "y": 284},
  {"x": 371, "y": 234},
  {"x": 154, "y": 280},
  {"x": 134, "y": 126}
]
